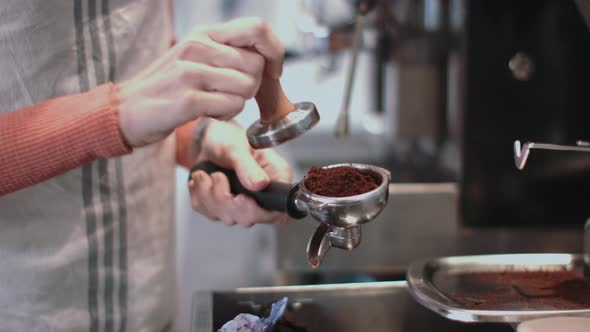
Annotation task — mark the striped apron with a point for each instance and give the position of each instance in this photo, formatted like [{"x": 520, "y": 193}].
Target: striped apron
[{"x": 93, "y": 249}]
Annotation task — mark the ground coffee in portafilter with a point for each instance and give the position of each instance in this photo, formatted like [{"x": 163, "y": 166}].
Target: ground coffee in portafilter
[{"x": 338, "y": 181}]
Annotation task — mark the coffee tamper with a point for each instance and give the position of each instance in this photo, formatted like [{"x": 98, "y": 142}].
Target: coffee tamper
[{"x": 280, "y": 119}]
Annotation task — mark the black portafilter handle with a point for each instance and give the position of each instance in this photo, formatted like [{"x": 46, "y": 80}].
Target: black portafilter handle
[{"x": 277, "y": 196}]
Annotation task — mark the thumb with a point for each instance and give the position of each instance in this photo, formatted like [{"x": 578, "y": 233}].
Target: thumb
[{"x": 249, "y": 172}]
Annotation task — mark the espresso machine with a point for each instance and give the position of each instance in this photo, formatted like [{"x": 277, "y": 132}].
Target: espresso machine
[
  {"x": 525, "y": 74},
  {"x": 474, "y": 76}
]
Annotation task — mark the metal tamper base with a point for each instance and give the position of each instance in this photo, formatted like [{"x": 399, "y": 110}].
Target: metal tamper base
[{"x": 301, "y": 119}]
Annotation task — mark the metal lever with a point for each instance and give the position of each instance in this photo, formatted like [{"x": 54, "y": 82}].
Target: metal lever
[
  {"x": 521, "y": 155},
  {"x": 342, "y": 124}
]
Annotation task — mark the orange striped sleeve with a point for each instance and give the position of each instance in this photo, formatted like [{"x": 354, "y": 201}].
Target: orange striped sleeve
[{"x": 53, "y": 137}]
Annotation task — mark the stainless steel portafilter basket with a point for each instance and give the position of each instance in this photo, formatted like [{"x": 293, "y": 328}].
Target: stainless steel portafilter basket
[
  {"x": 340, "y": 218},
  {"x": 347, "y": 211}
]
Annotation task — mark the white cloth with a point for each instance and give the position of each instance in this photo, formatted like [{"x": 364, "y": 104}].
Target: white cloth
[
  {"x": 243, "y": 323},
  {"x": 251, "y": 323},
  {"x": 91, "y": 250}
]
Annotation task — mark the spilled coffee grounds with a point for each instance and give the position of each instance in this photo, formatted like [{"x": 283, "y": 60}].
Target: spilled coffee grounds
[
  {"x": 338, "y": 181},
  {"x": 522, "y": 290}
]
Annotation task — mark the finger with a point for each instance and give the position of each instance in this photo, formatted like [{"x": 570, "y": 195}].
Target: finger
[
  {"x": 273, "y": 218},
  {"x": 195, "y": 203},
  {"x": 252, "y": 33},
  {"x": 230, "y": 211},
  {"x": 209, "y": 78},
  {"x": 196, "y": 188},
  {"x": 223, "y": 198},
  {"x": 218, "y": 105},
  {"x": 264, "y": 216},
  {"x": 241, "y": 203},
  {"x": 273, "y": 164},
  {"x": 201, "y": 194},
  {"x": 200, "y": 182},
  {"x": 249, "y": 172},
  {"x": 223, "y": 56},
  {"x": 221, "y": 187},
  {"x": 250, "y": 213}
]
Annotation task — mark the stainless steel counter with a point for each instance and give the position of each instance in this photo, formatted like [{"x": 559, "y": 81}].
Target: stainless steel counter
[
  {"x": 420, "y": 221},
  {"x": 375, "y": 307}
]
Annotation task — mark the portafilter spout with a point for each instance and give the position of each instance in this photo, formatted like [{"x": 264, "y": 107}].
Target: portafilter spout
[
  {"x": 340, "y": 217},
  {"x": 326, "y": 237}
]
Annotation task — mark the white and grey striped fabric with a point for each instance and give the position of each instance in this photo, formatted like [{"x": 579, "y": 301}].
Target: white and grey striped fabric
[{"x": 91, "y": 250}]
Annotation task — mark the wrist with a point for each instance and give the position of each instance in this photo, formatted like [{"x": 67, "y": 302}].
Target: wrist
[
  {"x": 199, "y": 135},
  {"x": 122, "y": 95},
  {"x": 115, "y": 101}
]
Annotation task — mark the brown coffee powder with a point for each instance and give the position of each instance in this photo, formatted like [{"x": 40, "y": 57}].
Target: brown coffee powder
[
  {"x": 338, "y": 181},
  {"x": 522, "y": 290}
]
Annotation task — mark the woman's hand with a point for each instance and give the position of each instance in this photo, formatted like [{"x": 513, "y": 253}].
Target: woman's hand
[
  {"x": 212, "y": 72},
  {"x": 225, "y": 144}
]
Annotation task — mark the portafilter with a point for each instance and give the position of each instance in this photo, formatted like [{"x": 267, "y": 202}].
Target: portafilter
[{"x": 340, "y": 218}]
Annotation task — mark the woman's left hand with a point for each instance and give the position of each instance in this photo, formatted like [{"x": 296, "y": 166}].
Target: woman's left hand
[{"x": 226, "y": 145}]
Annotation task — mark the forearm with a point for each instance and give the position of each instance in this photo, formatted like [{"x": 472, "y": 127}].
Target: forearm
[{"x": 53, "y": 137}]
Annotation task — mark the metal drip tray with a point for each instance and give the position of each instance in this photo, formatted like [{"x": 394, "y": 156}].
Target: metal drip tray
[
  {"x": 380, "y": 306},
  {"x": 436, "y": 284}
]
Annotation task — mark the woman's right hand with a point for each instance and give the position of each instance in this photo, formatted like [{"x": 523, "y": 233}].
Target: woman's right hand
[{"x": 211, "y": 73}]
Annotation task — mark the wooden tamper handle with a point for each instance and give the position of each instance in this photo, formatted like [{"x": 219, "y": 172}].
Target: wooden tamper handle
[{"x": 272, "y": 101}]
